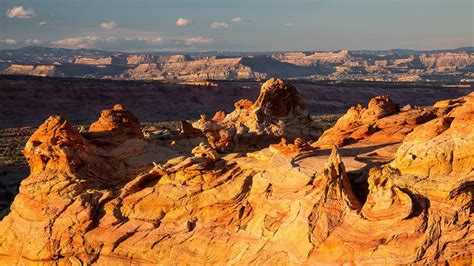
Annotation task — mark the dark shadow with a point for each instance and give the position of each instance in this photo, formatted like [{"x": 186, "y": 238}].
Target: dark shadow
[
  {"x": 420, "y": 202},
  {"x": 353, "y": 151}
]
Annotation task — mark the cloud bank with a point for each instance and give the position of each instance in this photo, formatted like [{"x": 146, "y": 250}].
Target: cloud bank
[
  {"x": 132, "y": 43},
  {"x": 20, "y": 12}
]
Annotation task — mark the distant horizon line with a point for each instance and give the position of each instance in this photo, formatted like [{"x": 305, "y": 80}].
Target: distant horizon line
[{"x": 239, "y": 51}]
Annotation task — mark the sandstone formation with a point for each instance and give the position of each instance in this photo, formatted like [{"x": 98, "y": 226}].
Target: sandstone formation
[
  {"x": 183, "y": 68},
  {"x": 117, "y": 125},
  {"x": 380, "y": 123},
  {"x": 138, "y": 59},
  {"x": 109, "y": 60},
  {"x": 278, "y": 112},
  {"x": 443, "y": 146},
  {"x": 39, "y": 70},
  {"x": 113, "y": 196},
  {"x": 447, "y": 60},
  {"x": 302, "y": 59}
]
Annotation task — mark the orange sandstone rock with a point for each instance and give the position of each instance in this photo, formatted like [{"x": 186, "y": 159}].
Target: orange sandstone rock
[
  {"x": 117, "y": 122},
  {"x": 278, "y": 112},
  {"x": 119, "y": 198},
  {"x": 380, "y": 122}
]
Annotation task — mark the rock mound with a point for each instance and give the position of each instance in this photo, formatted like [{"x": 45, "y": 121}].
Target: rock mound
[
  {"x": 443, "y": 146},
  {"x": 382, "y": 120},
  {"x": 117, "y": 125},
  {"x": 278, "y": 112}
]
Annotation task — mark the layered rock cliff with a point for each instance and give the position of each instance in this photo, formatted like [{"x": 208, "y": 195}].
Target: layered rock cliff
[
  {"x": 303, "y": 59},
  {"x": 182, "y": 68},
  {"x": 39, "y": 70},
  {"x": 447, "y": 60},
  {"x": 453, "y": 65},
  {"x": 109, "y": 60},
  {"x": 113, "y": 196}
]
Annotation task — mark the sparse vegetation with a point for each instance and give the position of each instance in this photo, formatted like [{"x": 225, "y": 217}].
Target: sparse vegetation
[
  {"x": 12, "y": 141},
  {"x": 327, "y": 120}
]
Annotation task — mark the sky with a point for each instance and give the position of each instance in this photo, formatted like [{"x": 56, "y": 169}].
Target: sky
[{"x": 237, "y": 25}]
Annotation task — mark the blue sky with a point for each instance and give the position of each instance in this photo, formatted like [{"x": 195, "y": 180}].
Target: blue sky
[{"x": 231, "y": 25}]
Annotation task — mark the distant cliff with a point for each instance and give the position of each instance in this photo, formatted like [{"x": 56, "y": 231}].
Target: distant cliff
[{"x": 392, "y": 65}]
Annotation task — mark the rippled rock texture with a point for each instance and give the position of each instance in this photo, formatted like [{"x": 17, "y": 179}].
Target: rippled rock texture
[{"x": 113, "y": 196}]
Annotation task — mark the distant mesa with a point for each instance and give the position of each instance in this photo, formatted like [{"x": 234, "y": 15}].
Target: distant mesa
[{"x": 393, "y": 65}]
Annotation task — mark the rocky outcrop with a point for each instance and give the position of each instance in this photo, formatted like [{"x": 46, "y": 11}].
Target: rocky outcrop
[
  {"x": 113, "y": 196},
  {"x": 117, "y": 125},
  {"x": 183, "y": 68},
  {"x": 39, "y": 70},
  {"x": 447, "y": 60},
  {"x": 209, "y": 68},
  {"x": 278, "y": 112},
  {"x": 109, "y": 60},
  {"x": 382, "y": 121},
  {"x": 145, "y": 71},
  {"x": 302, "y": 59},
  {"x": 138, "y": 59},
  {"x": 443, "y": 146}
]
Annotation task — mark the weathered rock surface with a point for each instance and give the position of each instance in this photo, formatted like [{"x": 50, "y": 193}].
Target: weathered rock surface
[
  {"x": 116, "y": 125},
  {"x": 183, "y": 68},
  {"x": 302, "y": 59},
  {"x": 382, "y": 122},
  {"x": 108, "y": 60},
  {"x": 278, "y": 112},
  {"x": 121, "y": 198},
  {"x": 443, "y": 146}
]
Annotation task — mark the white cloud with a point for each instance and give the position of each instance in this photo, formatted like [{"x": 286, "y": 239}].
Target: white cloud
[
  {"x": 219, "y": 25},
  {"x": 86, "y": 42},
  {"x": 108, "y": 25},
  {"x": 197, "y": 40},
  {"x": 237, "y": 19},
  {"x": 181, "y": 22},
  {"x": 42, "y": 23},
  {"x": 32, "y": 42},
  {"x": 132, "y": 42},
  {"x": 20, "y": 12},
  {"x": 289, "y": 24},
  {"x": 8, "y": 41}
]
